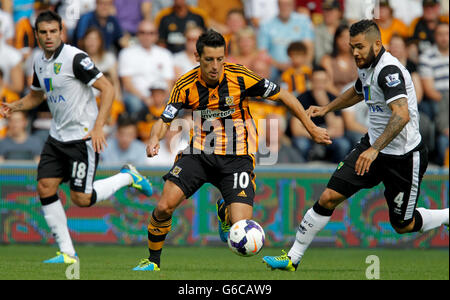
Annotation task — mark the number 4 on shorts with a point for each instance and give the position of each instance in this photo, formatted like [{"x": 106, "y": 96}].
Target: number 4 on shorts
[{"x": 399, "y": 199}]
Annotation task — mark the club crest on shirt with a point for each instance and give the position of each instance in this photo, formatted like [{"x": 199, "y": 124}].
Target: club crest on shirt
[
  {"x": 57, "y": 67},
  {"x": 229, "y": 100}
]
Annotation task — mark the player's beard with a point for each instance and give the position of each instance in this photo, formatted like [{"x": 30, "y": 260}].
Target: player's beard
[{"x": 370, "y": 58}]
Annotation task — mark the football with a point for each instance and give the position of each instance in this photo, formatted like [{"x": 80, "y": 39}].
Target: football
[{"x": 246, "y": 238}]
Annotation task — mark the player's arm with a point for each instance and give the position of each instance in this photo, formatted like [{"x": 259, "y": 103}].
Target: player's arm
[
  {"x": 260, "y": 87},
  {"x": 349, "y": 98},
  {"x": 158, "y": 132},
  {"x": 398, "y": 120},
  {"x": 159, "y": 129},
  {"x": 85, "y": 71},
  {"x": 319, "y": 135},
  {"x": 106, "y": 99},
  {"x": 30, "y": 101},
  {"x": 392, "y": 83}
]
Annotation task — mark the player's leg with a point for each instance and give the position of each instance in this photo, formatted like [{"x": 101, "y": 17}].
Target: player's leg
[
  {"x": 56, "y": 219},
  {"x": 183, "y": 180},
  {"x": 85, "y": 191},
  {"x": 403, "y": 178},
  {"x": 343, "y": 184},
  {"x": 237, "y": 186},
  {"x": 160, "y": 225},
  {"x": 314, "y": 220},
  {"x": 50, "y": 174}
]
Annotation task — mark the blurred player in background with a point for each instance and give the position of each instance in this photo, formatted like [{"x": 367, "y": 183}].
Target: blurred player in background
[
  {"x": 391, "y": 152},
  {"x": 64, "y": 75},
  {"x": 223, "y": 140}
]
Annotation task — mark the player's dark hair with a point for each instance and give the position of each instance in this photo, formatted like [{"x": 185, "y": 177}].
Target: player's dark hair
[
  {"x": 298, "y": 47},
  {"x": 210, "y": 38},
  {"x": 367, "y": 27},
  {"x": 48, "y": 16}
]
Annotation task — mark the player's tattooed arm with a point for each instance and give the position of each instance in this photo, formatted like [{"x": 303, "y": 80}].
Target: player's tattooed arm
[
  {"x": 30, "y": 101},
  {"x": 398, "y": 120}
]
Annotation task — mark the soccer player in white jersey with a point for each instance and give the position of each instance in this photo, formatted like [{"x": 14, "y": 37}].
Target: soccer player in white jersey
[
  {"x": 391, "y": 152},
  {"x": 64, "y": 76}
]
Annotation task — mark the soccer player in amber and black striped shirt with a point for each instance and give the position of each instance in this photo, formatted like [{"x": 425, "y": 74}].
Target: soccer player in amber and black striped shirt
[{"x": 223, "y": 139}]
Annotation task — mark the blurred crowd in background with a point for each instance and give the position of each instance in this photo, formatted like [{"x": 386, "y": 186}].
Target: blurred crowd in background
[{"x": 143, "y": 46}]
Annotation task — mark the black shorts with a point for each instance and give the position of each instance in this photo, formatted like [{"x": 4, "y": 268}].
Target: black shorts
[
  {"x": 75, "y": 161},
  {"x": 231, "y": 174},
  {"x": 401, "y": 176}
]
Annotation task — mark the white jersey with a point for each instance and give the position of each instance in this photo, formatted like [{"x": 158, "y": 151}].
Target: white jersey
[
  {"x": 387, "y": 80},
  {"x": 66, "y": 78}
]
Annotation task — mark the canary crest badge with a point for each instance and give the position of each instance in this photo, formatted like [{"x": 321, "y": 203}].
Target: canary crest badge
[{"x": 57, "y": 67}]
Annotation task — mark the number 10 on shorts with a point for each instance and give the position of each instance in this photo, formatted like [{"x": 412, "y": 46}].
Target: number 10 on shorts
[{"x": 242, "y": 179}]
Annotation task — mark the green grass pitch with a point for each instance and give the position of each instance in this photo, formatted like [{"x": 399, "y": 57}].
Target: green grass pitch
[{"x": 219, "y": 263}]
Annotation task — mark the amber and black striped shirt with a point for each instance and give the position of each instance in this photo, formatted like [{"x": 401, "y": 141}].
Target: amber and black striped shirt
[{"x": 222, "y": 121}]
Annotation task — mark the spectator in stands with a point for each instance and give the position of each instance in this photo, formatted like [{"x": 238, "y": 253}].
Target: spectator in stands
[
  {"x": 247, "y": 53},
  {"x": 296, "y": 77},
  {"x": 407, "y": 10},
  {"x": 397, "y": 47},
  {"x": 153, "y": 109},
  {"x": 6, "y": 28},
  {"x": 172, "y": 21},
  {"x": 124, "y": 147},
  {"x": 19, "y": 145},
  {"x": 318, "y": 95},
  {"x": 276, "y": 34},
  {"x": 434, "y": 71},
  {"x": 143, "y": 64},
  {"x": 131, "y": 12},
  {"x": 355, "y": 10},
  {"x": 8, "y": 96},
  {"x": 388, "y": 24},
  {"x": 356, "y": 121},
  {"x": 234, "y": 23},
  {"x": 159, "y": 5},
  {"x": 11, "y": 65},
  {"x": 324, "y": 33},
  {"x": 277, "y": 144},
  {"x": 442, "y": 140},
  {"x": 340, "y": 64},
  {"x": 315, "y": 8},
  {"x": 70, "y": 11},
  {"x": 103, "y": 19},
  {"x": 217, "y": 11},
  {"x": 24, "y": 33},
  {"x": 422, "y": 28},
  {"x": 260, "y": 11},
  {"x": 19, "y": 8},
  {"x": 185, "y": 60},
  {"x": 106, "y": 61}
]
